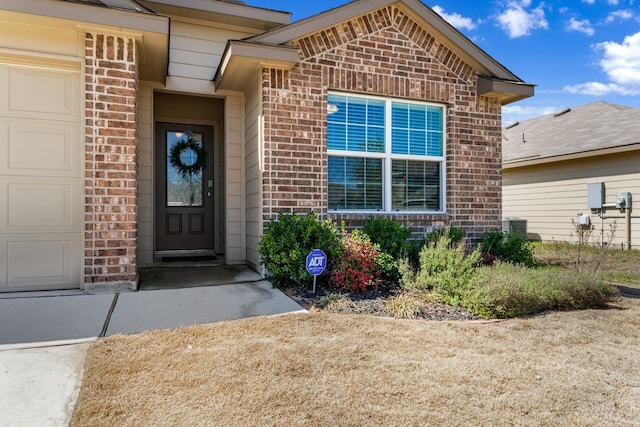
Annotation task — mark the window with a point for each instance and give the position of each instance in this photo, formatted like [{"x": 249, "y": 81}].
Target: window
[{"x": 385, "y": 155}]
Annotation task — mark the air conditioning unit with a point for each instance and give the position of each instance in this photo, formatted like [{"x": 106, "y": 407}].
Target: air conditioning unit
[{"x": 513, "y": 225}]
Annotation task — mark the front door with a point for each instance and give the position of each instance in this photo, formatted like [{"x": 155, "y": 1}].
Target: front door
[{"x": 184, "y": 190}]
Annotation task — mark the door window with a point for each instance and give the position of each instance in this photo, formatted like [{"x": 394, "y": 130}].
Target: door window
[{"x": 185, "y": 162}]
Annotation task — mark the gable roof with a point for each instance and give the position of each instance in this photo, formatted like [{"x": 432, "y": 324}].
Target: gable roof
[
  {"x": 414, "y": 8},
  {"x": 585, "y": 131},
  {"x": 493, "y": 77}
]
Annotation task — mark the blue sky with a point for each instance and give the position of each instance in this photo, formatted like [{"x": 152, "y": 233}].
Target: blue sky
[{"x": 575, "y": 52}]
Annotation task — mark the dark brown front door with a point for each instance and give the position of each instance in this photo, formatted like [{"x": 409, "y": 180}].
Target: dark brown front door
[{"x": 184, "y": 189}]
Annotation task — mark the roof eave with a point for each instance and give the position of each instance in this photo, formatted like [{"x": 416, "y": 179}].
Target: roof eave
[
  {"x": 414, "y": 8},
  {"x": 506, "y": 91},
  {"x": 516, "y": 163},
  {"x": 242, "y": 60},
  {"x": 147, "y": 22},
  {"x": 150, "y": 31},
  {"x": 221, "y": 11}
]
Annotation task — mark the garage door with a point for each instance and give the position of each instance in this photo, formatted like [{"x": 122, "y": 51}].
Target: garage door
[{"x": 40, "y": 174}]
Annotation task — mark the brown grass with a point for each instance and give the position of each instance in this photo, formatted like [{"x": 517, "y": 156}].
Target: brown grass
[
  {"x": 615, "y": 263},
  {"x": 570, "y": 368}
]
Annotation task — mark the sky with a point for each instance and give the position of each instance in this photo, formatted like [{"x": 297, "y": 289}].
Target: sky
[{"x": 575, "y": 52}]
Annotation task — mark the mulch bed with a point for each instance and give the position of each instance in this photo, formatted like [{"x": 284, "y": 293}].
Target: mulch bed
[{"x": 372, "y": 302}]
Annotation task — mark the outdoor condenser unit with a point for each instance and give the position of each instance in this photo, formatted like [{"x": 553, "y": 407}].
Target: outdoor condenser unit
[{"x": 513, "y": 225}]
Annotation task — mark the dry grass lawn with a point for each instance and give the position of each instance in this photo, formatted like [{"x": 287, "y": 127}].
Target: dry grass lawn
[{"x": 570, "y": 368}]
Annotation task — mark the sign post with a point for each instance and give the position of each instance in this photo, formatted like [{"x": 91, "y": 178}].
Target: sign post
[{"x": 316, "y": 263}]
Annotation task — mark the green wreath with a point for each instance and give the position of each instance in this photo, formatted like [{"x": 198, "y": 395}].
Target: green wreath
[{"x": 176, "y": 151}]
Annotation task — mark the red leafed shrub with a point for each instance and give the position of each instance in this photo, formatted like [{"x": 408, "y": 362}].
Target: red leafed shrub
[{"x": 356, "y": 269}]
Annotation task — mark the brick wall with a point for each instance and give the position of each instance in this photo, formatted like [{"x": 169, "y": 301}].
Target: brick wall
[
  {"x": 383, "y": 53},
  {"x": 110, "y": 162}
]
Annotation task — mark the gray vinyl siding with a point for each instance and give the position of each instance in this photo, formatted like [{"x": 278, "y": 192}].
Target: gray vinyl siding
[
  {"x": 550, "y": 195},
  {"x": 195, "y": 50},
  {"x": 253, "y": 173}
]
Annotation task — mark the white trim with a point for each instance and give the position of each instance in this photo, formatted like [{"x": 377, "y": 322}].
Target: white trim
[{"x": 388, "y": 157}]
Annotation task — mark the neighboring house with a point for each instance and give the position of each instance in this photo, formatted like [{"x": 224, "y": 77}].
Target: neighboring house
[
  {"x": 137, "y": 130},
  {"x": 548, "y": 162}
]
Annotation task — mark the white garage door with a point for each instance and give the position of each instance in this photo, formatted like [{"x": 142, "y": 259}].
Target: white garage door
[{"x": 40, "y": 174}]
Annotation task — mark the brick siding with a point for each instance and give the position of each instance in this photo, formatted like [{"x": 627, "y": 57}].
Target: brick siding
[
  {"x": 383, "y": 53},
  {"x": 110, "y": 162}
]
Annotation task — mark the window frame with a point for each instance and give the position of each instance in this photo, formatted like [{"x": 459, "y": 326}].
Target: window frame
[{"x": 388, "y": 157}]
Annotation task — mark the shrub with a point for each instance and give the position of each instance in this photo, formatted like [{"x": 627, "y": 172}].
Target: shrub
[
  {"x": 511, "y": 247},
  {"x": 286, "y": 243},
  {"x": 414, "y": 246},
  {"x": 455, "y": 235},
  {"x": 506, "y": 290},
  {"x": 356, "y": 268},
  {"x": 391, "y": 236},
  {"x": 445, "y": 268}
]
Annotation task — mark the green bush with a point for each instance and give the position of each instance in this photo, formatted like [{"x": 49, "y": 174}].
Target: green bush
[
  {"x": 391, "y": 237},
  {"x": 445, "y": 268},
  {"x": 414, "y": 246},
  {"x": 454, "y": 234},
  {"x": 286, "y": 243},
  {"x": 506, "y": 290},
  {"x": 511, "y": 247}
]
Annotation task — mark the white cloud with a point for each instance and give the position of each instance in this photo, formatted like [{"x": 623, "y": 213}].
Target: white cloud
[
  {"x": 621, "y": 15},
  {"x": 518, "y": 113},
  {"x": 517, "y": 21},
  {"x": 582, "y": 26},
  {"x": 600, "y": 89},
  {"x": 455, "y": 19},
  {"x": 621, "y": 61},
  {"x": 621, "y": 64},
  {"x": 589, "y": 1}
]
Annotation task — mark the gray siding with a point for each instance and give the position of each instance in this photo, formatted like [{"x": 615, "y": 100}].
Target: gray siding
[
  {"x": 548, "y": 196},
  {"x": 253, "y": 169}
]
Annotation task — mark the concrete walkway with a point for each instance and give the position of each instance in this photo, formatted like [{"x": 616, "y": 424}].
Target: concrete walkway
[{"x": 44, "y": 337}]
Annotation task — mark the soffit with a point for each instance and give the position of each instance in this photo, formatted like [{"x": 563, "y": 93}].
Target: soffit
[
  {"x": 224, "y": 12},
  {"x": 150, "y": 31},
  {"x": 242, "y": 61}
]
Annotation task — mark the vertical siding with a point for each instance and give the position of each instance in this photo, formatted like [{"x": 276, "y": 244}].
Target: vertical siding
[
  {"x": 235, "y": 196},
  {"x": 253, "y": 173},
  {"x": 549, "y": 196},
  {"x": 145, "y": 176}
]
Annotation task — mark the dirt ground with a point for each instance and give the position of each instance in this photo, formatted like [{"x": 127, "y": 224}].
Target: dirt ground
[{"x": 318, "y": 369}]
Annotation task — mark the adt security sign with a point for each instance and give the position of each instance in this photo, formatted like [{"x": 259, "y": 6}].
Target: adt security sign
[{"x": 316, "y": 262}]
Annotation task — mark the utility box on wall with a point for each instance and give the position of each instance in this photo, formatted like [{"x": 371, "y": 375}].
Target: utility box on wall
[
  {"x": 595, "y": 195},
  {"x": 623, "y": 200}
]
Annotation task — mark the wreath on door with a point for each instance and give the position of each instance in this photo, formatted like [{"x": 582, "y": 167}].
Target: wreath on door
[{"x": 175, "y": 156}]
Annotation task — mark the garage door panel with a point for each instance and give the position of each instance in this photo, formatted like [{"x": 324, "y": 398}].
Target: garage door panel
[
  {"x": 42, "y": 148},
  {"x": 43, "y": 93},
  {"x": 33, "y": 206},
  {"x": 41, "y": 178},
  {"x": 39, "y": 262}
]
